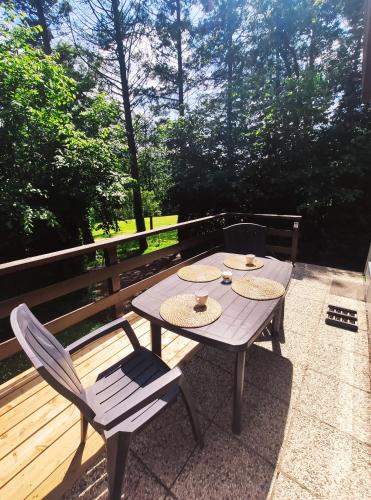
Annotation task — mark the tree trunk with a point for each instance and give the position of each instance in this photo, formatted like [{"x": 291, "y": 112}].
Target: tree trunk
[
  {"x": 42, "y": 22},
  {"x": 180, "y": 81},
  {"x": 134, "y": 170},
  {"x": 180, "y": 60},
  {"x": 229, "y": 97}
]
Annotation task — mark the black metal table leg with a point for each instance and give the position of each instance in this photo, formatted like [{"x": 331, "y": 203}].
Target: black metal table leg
[
  {"x": 156, "y": 339},
  {"x": 278, "y": 329},
  {"x": 239, "y": 375}
]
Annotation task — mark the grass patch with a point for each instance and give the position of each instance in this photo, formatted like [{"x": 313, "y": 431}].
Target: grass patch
[
  {"x": 128, "y": 226},
  {"x": 155, "y": 242}
]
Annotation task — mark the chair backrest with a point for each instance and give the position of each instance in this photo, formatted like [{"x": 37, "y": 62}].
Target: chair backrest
[
  {"x": 245, "y": 238},
  {"x": 49, "y": 357}
]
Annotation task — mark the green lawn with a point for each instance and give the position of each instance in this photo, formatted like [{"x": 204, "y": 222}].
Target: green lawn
[
  {"x": 128, "y": 226},
  {"x": 156, "y": 242}
]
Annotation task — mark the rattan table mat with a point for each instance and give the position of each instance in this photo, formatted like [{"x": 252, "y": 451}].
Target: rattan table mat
[
  {"x": 239, "y": 262},
  {"x": 258, "y": 288},
  {"x": 199, "y": 273},
  {"x": 182, "y": 310}
]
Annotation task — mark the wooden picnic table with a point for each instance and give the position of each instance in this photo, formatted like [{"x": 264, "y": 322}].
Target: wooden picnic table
[{"x": 241, "y": 322}]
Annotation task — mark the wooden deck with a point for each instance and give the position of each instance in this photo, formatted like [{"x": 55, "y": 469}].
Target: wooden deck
[{"x": 40, "y": 430}]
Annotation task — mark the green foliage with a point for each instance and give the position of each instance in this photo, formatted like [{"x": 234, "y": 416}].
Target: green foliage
[
  {"x": 283, "y": 129},
  {"x": 272, "y": 122},
  {"x": 154, "y": 165},
  {"x": 57, "y": 159},
  {"x": 171, "y": 26},
  {"x": 151, "y": 205}
]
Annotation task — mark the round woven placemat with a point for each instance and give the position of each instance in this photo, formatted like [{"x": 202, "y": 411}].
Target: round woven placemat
[
  {"x": 258, "y": 288},
  {"x": 239, "y": 262},
  {"x": 181, "y": 310},
  {"x": 199, "y": 273}
]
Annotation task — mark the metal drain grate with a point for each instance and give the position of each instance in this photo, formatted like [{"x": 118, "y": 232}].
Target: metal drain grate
[{"x": 342, "y": 318}]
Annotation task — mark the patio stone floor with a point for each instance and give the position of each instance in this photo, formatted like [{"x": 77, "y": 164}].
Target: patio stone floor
[{"x": 306, "y": 415}]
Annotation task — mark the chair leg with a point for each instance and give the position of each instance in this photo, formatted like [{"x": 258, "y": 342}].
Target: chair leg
[
  {"x": 117, "y": 454},
  {"x": 84, "y": 428},
  {"x": 192, "y": 412}
]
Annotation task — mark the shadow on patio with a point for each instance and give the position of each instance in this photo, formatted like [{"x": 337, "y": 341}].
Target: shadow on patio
[{"x": 165, "y": 459}]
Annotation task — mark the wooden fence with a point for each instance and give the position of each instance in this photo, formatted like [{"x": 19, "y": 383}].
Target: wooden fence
[{"x": 114, "y": 268}]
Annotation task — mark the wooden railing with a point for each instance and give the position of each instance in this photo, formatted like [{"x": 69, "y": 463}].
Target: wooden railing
[{"x": 113, "y": 268}]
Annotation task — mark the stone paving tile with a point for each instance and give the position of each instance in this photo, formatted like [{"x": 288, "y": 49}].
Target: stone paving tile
[
  {"x": 224, "y": 469},
  {"x": 298, "y": 270},
  {"x": 331, "y": 336},
  {"x": 349, "y": 288},
  {"x": 222, "y": 359},
  {"x": 287, "y": 489},
  {"x": 344, "y": 365},
  {"x": 139, "y": 483},
  {"x": 316, "y": 283},
  {"x": 331, "y": 272},
  {"x": 273, "y": 374},
  {"x": 166, "y": 444},
  {"x": 318, "y": 275},
  {"x": 305, "y": 305},
  {"x": 302, "y": 319},
  {"x": 211, "y": 386},
  {"x": 326, "y": 461},
  {"x": 264, "y": 422},
  {"x": 308, "y": 290},
  {"x": 336, "y": 403},
  {"x": 359, "y": 305},
  {"x": 296, "y": 347}
]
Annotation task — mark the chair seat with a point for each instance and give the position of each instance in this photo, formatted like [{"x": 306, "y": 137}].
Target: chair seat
[{"x": 129, "y": 375}]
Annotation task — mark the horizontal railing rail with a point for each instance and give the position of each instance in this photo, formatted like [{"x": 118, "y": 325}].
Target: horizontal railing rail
[
  {"x": 114, "y": 268},
  {"x": 41, "y": 260}
]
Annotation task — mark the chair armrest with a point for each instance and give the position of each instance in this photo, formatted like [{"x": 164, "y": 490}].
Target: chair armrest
[
  {"x": 105, "y": 330},
  {"x": 140, "y": 399}
]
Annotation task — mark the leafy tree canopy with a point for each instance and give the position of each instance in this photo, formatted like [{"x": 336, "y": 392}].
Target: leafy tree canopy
[{"x": 58, "y": 162}]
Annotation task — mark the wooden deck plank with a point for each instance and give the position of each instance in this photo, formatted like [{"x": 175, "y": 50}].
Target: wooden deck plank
[
  {"x": 29, "y": 478},
  {"x": 38, "y": 452},
  {"x": 16, "y": 382},
  {"x": 20, "y": 412},
  {"x": 87, "y": 360},
  {"x": 44, "y": 434},
  {"x": 25, "y": 387},
  {"x": 26, "y": 419},
  {"x": 18, "y": 425},
  {"x": 69, "y": 470},
  {"x": 186, "y": 350},
  {"x": 49, "y": 410}
]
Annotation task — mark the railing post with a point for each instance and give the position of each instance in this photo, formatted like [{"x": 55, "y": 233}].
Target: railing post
[
  {"x": 114, "y": 283},
  {"x": 294, "y": 242}
]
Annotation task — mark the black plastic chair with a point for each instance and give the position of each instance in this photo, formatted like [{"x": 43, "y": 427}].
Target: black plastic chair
[
  {"x": 124, "y": 398},
  {"x": 245, "y": 238}
]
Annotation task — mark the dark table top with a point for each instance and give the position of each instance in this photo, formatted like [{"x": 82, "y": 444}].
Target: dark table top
[{"x": 241, "y": 320}]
